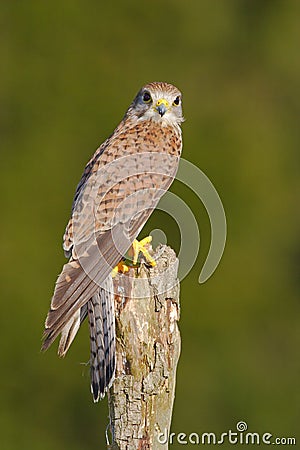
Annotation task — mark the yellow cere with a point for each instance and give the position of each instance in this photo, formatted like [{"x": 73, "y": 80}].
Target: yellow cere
[{"x": 162, "y": 101}]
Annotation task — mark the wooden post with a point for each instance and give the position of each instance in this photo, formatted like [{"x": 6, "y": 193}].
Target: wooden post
[{"x": 148, "y": 348}]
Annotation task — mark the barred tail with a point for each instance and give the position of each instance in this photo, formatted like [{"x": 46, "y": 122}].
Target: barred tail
[{"x": 101, "y": 318}]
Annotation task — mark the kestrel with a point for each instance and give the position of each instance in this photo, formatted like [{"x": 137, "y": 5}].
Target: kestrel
[{"x": 119, "y": 189}]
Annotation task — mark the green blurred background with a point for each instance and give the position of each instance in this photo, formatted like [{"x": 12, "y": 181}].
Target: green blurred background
[{"x": 69, "y": 69}]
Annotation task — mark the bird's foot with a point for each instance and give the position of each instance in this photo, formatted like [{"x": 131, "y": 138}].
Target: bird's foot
[
  {"x": 137, "y": 247},
  {"x": 143, "y": 247},
  {"x": 120, "y": 268}
]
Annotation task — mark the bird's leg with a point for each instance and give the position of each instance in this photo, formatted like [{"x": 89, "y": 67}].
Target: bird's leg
[{"x": 133, "y": 253}]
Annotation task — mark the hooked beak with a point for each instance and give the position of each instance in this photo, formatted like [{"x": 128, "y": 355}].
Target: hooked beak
[{"x": 162, "y": 106}]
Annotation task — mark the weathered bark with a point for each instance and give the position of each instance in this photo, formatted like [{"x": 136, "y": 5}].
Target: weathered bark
[{"x": 148, "y": 347}]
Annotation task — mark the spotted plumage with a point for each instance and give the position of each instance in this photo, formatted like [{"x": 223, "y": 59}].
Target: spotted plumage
[{"x": 119, "y": 188}]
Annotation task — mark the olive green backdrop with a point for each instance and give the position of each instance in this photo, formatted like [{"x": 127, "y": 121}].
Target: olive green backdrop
[{"x": 69, "y": 69}]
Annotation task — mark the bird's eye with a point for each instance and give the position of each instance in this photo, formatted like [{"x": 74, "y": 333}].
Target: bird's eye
[
  {"x": 176, "y": 101},
  {"x": 147, "y": 97}
]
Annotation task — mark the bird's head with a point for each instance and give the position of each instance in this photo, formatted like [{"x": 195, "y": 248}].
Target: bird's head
[{"x": 160, "y": 102}]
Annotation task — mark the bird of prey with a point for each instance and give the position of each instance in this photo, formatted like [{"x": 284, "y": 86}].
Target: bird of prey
[{"x": 119, "y": 189}]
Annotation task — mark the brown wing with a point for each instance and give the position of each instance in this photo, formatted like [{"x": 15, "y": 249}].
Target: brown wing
[
  {"x": 113, "y": 203},
  {"x": 89, "y": 168}
]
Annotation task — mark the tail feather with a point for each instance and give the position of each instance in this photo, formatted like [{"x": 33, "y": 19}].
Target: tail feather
[
  {"x": 68, "y": 334},
  {"x": 102, "y": 339}
]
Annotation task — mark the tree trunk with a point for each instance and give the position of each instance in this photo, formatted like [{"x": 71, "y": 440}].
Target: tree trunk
[{"x": 148, "y": 347}]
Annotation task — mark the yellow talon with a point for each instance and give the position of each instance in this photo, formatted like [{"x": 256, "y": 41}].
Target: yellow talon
[
  {"x": 121, "y": 267},
  {"x": 141, "y": 247},
  {"x": 137, "y": 248}
]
